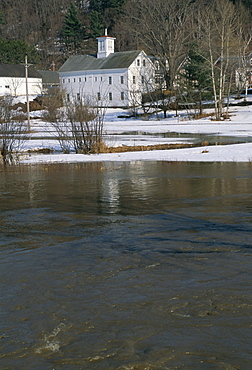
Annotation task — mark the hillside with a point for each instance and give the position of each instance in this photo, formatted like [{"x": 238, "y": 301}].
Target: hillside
[{"x": 59, "y": 28}]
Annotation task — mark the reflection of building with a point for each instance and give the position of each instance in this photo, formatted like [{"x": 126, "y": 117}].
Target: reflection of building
[
  {"x": 13, "y": 81},
  {"x": 110, "y": 195},
  {"x": 113, "y": 78}
]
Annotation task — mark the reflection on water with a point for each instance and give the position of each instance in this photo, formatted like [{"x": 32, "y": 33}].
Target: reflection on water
[{"x": 126, "y": 266}]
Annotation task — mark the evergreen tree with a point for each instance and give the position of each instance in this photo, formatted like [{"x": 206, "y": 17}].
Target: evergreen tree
[
  {"x": 72, "y": 32},
  {"x": 197, "y": 73},
  {"x": 96, "y": 23},
  {"x": 116, "y": 4},
  {"x": 103, "y": 14},
  {"x": 101, "y": 5},
  {"x": 246, "y": 3},
  {"x": 14, "y": 51},
  {"x": 96, "y": 5}
]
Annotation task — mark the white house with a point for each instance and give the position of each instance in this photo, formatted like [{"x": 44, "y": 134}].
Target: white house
[
  {"x": 243, "y": 74},
  {"x": 13, "y": 80},
  {"x": 116, "y": 79}
]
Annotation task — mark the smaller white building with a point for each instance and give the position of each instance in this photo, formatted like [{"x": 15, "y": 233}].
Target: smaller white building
[
  {"x": 113, "y": 79},
  {"x": 243, "y": 74},
  {"x": 13, "y": 80}
]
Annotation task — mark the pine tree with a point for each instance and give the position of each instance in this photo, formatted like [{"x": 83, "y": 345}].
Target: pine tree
[
  {"x": 14, "y": 51},
  {"x": 96, "y": 23},
  {"x": 116, "y": 4},
  {"x": 103, "y": 14},
  {"x": 96, "y": 5},
  {"x": 197, "y": 73},
  {"x": 72, "y": 32}
]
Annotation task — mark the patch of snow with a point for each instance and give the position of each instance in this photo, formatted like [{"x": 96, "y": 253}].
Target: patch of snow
[{"x": 123, "y": 131}]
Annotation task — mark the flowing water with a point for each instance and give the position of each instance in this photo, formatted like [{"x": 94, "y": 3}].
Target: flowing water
[{"x": 131, "y": 266}]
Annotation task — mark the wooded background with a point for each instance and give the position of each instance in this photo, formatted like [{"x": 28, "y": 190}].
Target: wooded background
[{"x": 52, "y": 30}]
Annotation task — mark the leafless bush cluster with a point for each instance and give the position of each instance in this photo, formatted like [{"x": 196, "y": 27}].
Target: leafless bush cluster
[
  {"x": 86, "y": 127},
  {"x": 13, "y": 132},
  {"x": 79, "y": 126}
]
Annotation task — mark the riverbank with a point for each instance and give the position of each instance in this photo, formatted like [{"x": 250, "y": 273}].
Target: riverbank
[{"x": 135, "y": 139}]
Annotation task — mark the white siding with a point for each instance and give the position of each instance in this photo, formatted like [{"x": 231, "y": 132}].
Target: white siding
[
  {"x": 91, "y": 83},
  {"x": 141, "y": 77},
  {"x": 113, "y": 88},
  {"x": 16, "y": 86}
]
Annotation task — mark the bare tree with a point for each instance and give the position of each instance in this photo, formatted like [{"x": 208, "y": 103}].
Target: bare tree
[
  {"x": 86, "y": 127},
  {"x": 78, "y": 126},
  {"x": 163, "y": 28},
  {"x": 218, "y": 33},
  {"x": 13, "y": 132},
  {"x": 15, "y": 84},
  {"x": 55, "y": 114},
  {"x": 244, "y": 39}
]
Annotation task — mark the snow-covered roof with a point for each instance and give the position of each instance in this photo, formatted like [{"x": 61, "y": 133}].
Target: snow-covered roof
[{"x": 87, "y": 62}]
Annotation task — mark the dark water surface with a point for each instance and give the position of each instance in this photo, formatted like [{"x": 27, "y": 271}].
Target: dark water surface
[{"x": 126, "y": 266}]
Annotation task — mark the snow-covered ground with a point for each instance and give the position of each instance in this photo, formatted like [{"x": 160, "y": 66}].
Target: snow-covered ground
[{"x": 124, "y": 131}]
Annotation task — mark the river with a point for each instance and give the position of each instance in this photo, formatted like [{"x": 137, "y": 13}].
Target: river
[{"x": 126, "y": 266}]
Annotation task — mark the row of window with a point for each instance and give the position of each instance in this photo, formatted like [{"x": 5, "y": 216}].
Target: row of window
[
  {"x": 110, "y": 96},
  {"x": 68, "y": 80},
  {"x": 96, "y": 79}
]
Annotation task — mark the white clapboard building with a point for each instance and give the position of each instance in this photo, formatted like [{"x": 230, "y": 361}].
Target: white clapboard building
[
  {"x": 115, "y": 79},
  {"x": 13, "y": 80}
]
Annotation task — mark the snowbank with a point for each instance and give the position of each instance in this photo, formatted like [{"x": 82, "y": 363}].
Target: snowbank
[{"x": 122, "y": 131}]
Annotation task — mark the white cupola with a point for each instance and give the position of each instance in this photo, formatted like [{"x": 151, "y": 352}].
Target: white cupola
[{"x": 105, "y": 45}]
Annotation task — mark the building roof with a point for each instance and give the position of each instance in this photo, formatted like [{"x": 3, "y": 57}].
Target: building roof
[
  {"x": 49, "y": 77},
  {"x": 87, "y": 62},
  {"x": 17, "y": 70}
]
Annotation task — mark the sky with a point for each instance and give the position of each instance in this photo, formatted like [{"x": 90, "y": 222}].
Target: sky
[{"x": 156, "y": 130}]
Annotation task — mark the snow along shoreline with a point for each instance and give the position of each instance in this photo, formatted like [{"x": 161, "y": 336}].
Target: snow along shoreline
[{"x": 149, "y": 132}]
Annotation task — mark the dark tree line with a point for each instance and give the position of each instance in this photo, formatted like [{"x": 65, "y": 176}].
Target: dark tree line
[{"x": 55, "y": 29}]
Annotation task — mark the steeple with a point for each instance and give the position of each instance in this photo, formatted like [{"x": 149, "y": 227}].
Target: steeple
[{"x": 105, "y": 45}]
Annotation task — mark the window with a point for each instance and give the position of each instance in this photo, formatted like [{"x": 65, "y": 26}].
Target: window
[
  {"x": 69, "y": 80},
  {"x": 85, "y": 79},
  {"x": 110, "y": 96},
  {"x": 110, "y": 80},
  {"x": 122, "y": 80},
  {"x": 63, "y": 80},
  {"x": 99, "y": 96},
  {"x": 138, "y": 62},
  {"x": 68, "y": 97},
  {"x": 79, "y": 79},
  {"x": 134, "y": 79},
  {"x": 142, "y": 79},
  {"x": 101, "y": 78},
  {"x": 78, "y": 96},
  {"x": 7, "y": 86},
  {"x": 95, "y": 78},
  {"x": 144, "y": 62},
  {"x": 74, "y": 79},
  {"x": 122, "y": 95}
]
